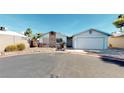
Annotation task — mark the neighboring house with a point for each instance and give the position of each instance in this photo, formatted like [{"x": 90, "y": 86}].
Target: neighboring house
[
  {"x": 10, "y": 37},
  {"x": 49, "y": 39},
  {"x": 116, "y": 40},
  {"x": 91, "y": 39}
]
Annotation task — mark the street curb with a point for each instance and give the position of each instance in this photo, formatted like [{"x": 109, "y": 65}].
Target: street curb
[
  {"x": 12, "y": 55},
  {"x": 112, "y": 58},
  {"x": 105, "y": 57}
]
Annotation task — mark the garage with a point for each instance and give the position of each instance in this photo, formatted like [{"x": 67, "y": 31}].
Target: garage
[{"x": 91, "y": 39}]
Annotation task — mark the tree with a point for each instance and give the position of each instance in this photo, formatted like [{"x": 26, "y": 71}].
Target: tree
[
  {"x": 38, "y": 35},
  {"x": 28, "y": 32},
  {"x": 120, "y": 16},
  {"x": 33, "y": 38},
  {"x": 119, "y": 22}
]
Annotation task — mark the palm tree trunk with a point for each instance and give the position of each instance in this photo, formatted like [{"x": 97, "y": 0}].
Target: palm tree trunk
[{"x": 121, "y": 29}]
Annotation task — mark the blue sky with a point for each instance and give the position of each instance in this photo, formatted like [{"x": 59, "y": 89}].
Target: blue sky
[{"x": 65, "y": 23}]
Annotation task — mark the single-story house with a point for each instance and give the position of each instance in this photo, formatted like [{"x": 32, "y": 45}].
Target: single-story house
[
  {"x": 91, "y": 39},
  {"x": 116, "y": 40},
  {"x": 11, "y": 37},
  {"x": 49, "y": 39}
]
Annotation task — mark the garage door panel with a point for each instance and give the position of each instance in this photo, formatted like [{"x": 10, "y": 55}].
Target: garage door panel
[{"x": 90, "y": 43}]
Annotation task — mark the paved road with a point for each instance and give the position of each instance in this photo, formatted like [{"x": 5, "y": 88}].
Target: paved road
[{"x": 59, "y": 65}]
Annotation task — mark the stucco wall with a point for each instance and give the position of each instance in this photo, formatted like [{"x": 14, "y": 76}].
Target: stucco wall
[
  {"x": 6, "y": 40},
  {"x": 116, "y": 42},
  {"x": 45, "y": 39}
]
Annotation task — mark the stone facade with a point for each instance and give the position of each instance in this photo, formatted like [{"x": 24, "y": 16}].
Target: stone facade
[
  {"x": 52, "y": 39},
  {"x": 49, "y": 39}
]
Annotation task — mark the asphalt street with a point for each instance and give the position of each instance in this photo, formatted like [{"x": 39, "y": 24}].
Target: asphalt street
[{"x": 59, "y": 65}]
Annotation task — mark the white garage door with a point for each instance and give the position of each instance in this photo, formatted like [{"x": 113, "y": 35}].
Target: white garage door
[{"x": 90, "y": 43}]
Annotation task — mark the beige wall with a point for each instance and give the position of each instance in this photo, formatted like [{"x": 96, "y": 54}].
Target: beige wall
[
  {"x": 6, "y": 40},
  {"x": 116, "y": 42}
]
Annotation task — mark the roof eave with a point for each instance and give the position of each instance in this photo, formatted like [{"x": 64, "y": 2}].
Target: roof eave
[{"x": 94, "y": 30}]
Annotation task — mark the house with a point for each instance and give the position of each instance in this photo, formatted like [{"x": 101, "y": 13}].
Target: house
[
  {"x": 116, "y": 40},
  {"x": 90, "y": 39},
  {"x": 49, "y": 39},
  {"x": 11, "y": 37}
]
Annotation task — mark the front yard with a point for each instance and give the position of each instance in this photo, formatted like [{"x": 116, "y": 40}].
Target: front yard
[
  {"x": 27, "y": 51},
  {"x": 114, "y": 53}
]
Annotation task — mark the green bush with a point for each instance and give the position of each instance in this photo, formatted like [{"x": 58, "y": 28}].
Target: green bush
[
  {"x": 11, "y": 48},
  {"x": 20, "y": 47}
]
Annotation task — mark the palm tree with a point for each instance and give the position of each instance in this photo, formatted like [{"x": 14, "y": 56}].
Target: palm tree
[
  {"x": 38, "y": 35},
  {"x": 28, "y": 32},
  {"x": 119, "y": 22},
  {"x": 120, "y": 16},
  {"x": 33, "y": 39}
]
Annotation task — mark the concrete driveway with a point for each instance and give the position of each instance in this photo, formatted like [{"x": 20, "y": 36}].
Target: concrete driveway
[
  {"x": 62, "y": 65},
  {"x": 117, "y": 54}
]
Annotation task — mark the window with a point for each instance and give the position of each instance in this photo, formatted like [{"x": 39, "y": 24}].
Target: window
[{"x": 58, "y": 40}]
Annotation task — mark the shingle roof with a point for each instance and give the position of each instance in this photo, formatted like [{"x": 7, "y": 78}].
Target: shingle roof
[
  {"x": 55, "y": 32},
  {"x": 92, "y": 29}
]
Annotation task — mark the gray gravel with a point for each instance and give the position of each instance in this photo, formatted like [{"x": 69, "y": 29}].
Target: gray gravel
[{"x": 60, "y": 65}]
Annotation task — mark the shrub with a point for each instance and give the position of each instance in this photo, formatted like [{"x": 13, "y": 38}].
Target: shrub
[
  {"x": 20, "y": 47},
  {"x": 11, "y": 48}
]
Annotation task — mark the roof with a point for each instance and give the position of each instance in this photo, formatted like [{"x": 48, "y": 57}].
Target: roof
[
  {"x": 92, "y": 30},
  {"x": 47, "y": 33},
  {"x": 55, "y": 32},
  {"x": 11, "y": 33},
  {"x": 117, "y": 34}
]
